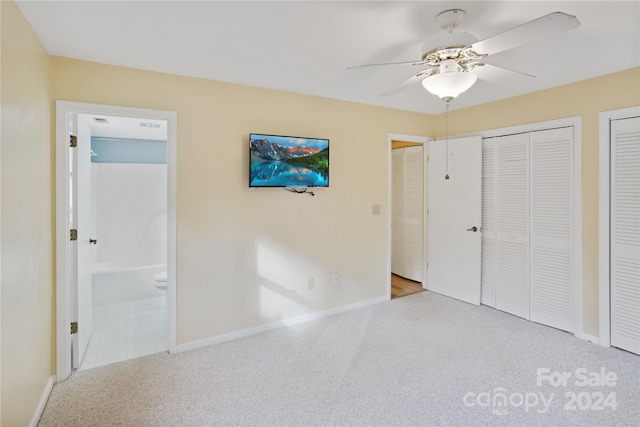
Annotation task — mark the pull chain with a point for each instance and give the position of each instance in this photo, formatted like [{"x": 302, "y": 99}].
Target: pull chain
[{"x": 446, "y": 136}]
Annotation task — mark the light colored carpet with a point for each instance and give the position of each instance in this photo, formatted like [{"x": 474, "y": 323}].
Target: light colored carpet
[{"x": 410, "y": 361}]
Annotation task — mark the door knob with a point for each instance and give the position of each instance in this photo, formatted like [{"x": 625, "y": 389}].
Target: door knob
[
  {"x": 93, "y": 241},
  {"x": 474, "y": 229}
]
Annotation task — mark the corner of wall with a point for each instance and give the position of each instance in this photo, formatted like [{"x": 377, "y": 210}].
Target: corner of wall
[{"x": 26, "y": 262}]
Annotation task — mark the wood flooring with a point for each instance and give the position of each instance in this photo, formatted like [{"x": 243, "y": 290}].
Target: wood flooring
[{"x": 401, "y": 287}]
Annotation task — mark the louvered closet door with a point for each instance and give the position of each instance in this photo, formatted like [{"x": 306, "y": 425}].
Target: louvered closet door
[
  {"x": 488, "y": 257},
  {"x": 512, "y": 245},
  {"x": 397, "y": 215},
  {"x": 552, "y": 228},
  {"x": 413, "y": 207},
  {"x": 625, "y": 234}
]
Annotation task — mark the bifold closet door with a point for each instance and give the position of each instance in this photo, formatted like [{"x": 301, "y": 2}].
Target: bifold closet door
[
  {"x": 528, "y": 226},
  {"x": 625, "y": 234},
  {"x": 488, "y": 244},
  {"x": 512, "y": 225},
  {"x": 552, "y": 258},
  {"x": 407, "y": 234}
]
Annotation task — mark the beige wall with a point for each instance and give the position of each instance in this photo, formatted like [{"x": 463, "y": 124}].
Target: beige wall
[
  {"x": 586, "y": 99},
  {"x": 244, "y": 255},
  {"x": 27, "y": 290}
]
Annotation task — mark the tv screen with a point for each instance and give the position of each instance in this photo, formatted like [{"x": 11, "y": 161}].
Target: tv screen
[{"x": 288, "y": 161}]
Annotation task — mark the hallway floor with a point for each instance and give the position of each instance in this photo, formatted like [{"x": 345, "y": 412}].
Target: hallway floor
[
  {"x": 401, "y": 287},
  {"x": 127, "y": 330}
]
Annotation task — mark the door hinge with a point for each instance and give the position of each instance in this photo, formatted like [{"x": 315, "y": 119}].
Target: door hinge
[
  {"x": 74, "y": 234},
  {"x": 73, "y": 140},
  {"x": 74, "y": 328}
]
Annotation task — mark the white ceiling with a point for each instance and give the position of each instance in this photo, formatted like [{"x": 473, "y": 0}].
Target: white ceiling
[{"x": 306, "y": 46}]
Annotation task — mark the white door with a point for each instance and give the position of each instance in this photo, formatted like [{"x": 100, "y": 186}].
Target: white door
[
  {"x": 454, "y": 217},
  {"x": 397, "y": 213},
  {"x": 625, "y": 234},
  {"x": 81, "y": 256},
  {"x": 512, "y": 225},
  {"x": 551, "y": 228},
  {"x": 407, "y": 233},
  {"x": 489, "y": 200},
  {"x": 413, "y": 215}
]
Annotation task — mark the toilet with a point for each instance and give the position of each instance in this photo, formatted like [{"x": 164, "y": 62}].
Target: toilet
[{"x": 160, "y": 281}]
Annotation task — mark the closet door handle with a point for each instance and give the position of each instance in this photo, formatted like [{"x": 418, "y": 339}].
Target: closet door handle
[
  {"x": 474, "y": 229},
  {"x": 93, "y": 241}
]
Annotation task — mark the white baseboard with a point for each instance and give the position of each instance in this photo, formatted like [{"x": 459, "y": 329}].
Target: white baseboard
[
  {"x": 43, "y": 401},
  {"x": 275, "y": 325},
  {"x": 587, "y": 337}
]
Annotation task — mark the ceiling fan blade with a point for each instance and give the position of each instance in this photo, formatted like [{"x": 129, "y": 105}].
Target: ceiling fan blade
[
  {"x": 387, "y": 63},
  {"x": 538, "y": 29},
  {"x": 499, "y": 75},
  {"x": 410, "y": 81}
]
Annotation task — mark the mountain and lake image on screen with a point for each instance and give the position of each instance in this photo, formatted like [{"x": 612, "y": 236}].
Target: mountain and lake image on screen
[{"x": 287, "y": 161}]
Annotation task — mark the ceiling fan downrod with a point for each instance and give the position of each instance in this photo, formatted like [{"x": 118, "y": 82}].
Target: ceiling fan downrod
[{"x": 450, "y": 19}]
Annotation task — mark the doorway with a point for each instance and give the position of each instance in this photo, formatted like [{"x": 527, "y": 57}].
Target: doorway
[
  {"x": 128, "y": 217},
  {"x": 401, "y": 286},
  {"x": 407, "y": 201},
  {"x": 73, "y": 290}
]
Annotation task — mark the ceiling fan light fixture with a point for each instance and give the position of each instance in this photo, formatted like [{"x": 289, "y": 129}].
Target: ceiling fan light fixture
[
  {"x": 450, "y": 81},
  {"x": 449, "y": 85}
]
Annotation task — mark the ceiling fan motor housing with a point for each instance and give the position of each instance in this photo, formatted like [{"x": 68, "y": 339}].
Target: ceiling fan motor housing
[
  {"x": 448, "y": 66},
  {"x": 447, "y": 40}
]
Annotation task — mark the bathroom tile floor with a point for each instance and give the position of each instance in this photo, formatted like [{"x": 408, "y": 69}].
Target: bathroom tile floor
[{"x": 127, "y": 330}]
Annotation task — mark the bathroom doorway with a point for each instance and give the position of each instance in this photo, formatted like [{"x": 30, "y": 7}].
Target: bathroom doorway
[
  {"x": 129, "y": 238},
  {"x": 116, "y": 191}
]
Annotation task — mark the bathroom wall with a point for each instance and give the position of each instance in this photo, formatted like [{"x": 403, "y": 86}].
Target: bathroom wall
[{"x": 130, "y": 215}]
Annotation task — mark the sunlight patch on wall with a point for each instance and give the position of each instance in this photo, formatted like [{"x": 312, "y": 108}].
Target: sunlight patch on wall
[
  {"x": 284, "y": 279},
  {"x": 283, "y": 270}
]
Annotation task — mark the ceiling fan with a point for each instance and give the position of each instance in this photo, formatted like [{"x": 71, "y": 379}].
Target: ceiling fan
[{"x": 453, "y": 61}]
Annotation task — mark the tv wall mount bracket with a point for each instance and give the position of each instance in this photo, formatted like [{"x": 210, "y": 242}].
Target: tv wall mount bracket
[{"x": 302, "y": 190}]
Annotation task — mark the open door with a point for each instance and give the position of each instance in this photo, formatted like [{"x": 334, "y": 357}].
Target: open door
[
  {"x": 454, "y": 217},
  {"x": 81, "y": 255}
]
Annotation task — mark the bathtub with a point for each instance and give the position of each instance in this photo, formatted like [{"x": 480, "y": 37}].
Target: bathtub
[{"x": 115, "y": 285}]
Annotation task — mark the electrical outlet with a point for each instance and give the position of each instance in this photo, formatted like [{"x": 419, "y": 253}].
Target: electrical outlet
[
  {"x": 310, "y": 284},
  {"x": 335, "y": 279}
]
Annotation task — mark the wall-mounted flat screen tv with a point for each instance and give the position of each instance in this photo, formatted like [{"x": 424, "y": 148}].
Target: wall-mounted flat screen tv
[{"x": 288, "y": 161}]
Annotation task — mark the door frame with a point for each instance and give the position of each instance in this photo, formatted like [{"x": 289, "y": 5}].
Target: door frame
[
  {"x": 420, "y": 140},
  {"x": 63, "y": 285},
  {"x": 604, "y": 217}
]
